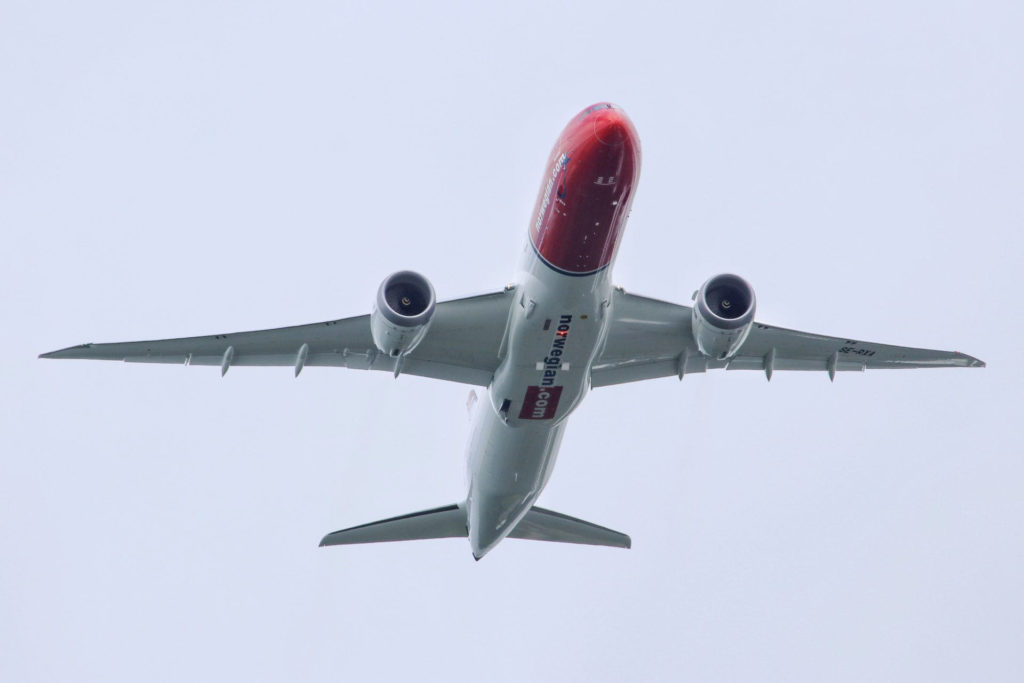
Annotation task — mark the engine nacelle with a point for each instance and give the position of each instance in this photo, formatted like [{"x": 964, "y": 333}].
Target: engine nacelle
[
  {"x": 402, "y": 312},
  {"x": 723, "y": 313}
]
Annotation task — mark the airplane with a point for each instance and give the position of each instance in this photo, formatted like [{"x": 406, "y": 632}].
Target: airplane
[{"x": 537, "y": 346}]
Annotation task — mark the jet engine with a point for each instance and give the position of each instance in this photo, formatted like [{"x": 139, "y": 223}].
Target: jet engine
[
  {"x": 402, "y": 312},
  {"x": 723, "y": 313}
]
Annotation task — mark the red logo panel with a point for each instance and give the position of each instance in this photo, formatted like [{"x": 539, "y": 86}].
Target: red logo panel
[{"x": 540, "y": 403}]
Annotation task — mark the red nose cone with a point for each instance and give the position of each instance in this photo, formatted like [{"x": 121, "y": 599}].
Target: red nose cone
[
  {"x": 586, "y": 191},
  {"x": 610, "y": 127}
]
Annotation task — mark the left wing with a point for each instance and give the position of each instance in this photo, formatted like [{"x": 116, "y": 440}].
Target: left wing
[
  {"x": 649, "y": 338},
  {"x": 461, "y": 345}
]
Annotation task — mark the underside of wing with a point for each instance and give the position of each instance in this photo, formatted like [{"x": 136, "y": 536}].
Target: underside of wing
[
  {"x": 461, "y": 345},
  {"x": 651, "y": 338}
]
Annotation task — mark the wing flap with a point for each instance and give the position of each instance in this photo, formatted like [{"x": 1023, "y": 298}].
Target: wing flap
[{"x": 783, "y": 363}]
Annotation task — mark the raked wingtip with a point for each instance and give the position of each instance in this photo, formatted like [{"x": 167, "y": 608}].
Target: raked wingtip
[
  {"x": 63, "y": 353},
  {"x": 973, "y": 362}
]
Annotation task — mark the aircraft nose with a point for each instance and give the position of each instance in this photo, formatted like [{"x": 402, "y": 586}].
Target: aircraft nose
[{"x": 611, "y": 127}]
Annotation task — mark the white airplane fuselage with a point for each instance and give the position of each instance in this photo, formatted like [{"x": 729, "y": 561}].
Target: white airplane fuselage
[{"x": 558, "y": 322}]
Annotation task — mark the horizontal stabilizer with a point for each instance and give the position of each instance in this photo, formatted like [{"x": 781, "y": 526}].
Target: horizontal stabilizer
[
  {"x": 546, "y": 525},
  {"x": 444, "y": 522},
  {"x": 450, "y": 522}
]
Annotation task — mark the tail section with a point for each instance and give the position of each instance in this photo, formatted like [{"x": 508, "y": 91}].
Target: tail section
[
  {"x": 450, "y": 522},
  {"x": 546, "y": 525},
  {"x": 444, "y": 522}
]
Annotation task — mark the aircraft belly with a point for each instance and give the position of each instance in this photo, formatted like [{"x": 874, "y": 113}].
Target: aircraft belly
[
  {"x": 556, "y": 326},
  {"x": 508, "y": 467}
]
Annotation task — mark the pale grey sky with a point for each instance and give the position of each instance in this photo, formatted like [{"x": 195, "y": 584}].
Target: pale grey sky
[{"x": 211, "y": 167}]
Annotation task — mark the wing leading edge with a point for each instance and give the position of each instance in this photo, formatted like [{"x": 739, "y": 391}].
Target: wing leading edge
[
  {"x": 461, "y": 346},
  {"x": 651, "y": 338}
]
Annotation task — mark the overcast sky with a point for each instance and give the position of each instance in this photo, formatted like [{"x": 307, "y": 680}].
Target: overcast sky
[{"x": 204, "y": 167}]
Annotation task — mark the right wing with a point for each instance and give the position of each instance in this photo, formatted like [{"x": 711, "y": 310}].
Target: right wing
[
  {"x": 461, "y": 345},
  {"x": 649, "y": 338}
]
